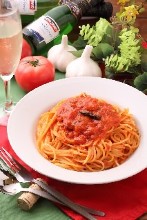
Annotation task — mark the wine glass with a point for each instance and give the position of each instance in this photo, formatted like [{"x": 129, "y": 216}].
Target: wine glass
[{"x": 10, "y": 51}]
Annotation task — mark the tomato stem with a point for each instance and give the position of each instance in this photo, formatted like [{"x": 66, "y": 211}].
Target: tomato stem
[{"x": 34, "y": 62}]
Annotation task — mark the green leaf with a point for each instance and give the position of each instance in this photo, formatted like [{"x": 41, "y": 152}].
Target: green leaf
[
  {"x": 97, "y": 52},
  {"x": 95, "y": 33},
  {"x": 80, "y": 43},
  {"x": 107, "y": 38},
  {"x": 145, "y": 91},
  {"x": 107, "y": 49},
  {"x": 102, "y": 50},
  {"x": 109, "y": 73},
  {"x": 144, "y": 61},
  {"x": 77, "y": 53},
  {"x": 136, "y": 70},
  {"x": 140, "y": 82}
]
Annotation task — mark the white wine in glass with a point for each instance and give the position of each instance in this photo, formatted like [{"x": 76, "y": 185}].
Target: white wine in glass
[{"x": 10, "y": 52}]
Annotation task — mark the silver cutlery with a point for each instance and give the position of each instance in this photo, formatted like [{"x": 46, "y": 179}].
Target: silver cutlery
[{"x": 22, "y": 175}]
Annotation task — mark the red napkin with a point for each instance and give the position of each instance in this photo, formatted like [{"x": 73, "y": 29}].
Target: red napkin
[{"x": 122, "y": 200}]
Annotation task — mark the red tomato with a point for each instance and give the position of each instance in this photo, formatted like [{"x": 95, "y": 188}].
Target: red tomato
[
  {"x": 34, "y": 71},
  {"x": 26, "y": 49}
]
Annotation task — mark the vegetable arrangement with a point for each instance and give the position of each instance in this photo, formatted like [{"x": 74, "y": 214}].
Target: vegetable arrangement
[
  {"x": 118, "y": 45},
  {"x": 99, "y": 36}
]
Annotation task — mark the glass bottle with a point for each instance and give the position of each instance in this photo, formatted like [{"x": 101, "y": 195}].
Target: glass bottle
[
  {"x": 47, "y": 30},
  {"x": 30, "y": 10}
]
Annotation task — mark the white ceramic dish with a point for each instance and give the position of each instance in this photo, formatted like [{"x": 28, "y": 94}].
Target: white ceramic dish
[{"x": 22, "y": 125}]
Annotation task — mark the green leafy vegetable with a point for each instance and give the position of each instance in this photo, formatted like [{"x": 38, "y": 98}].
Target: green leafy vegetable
[
  {"x": 94, "y": 35},
  {"x": 99, "y": 52},
  {"x": 80, "y": 43},
  {"x": 140, "y": 82},
  {"x": 102, "y": 50},
  {"x": 129, "y": 52}
]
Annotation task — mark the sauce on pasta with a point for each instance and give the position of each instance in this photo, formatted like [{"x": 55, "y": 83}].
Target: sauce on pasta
[
  {"x": 82, "y": 128},
  {"x": 83, "y": 133}
]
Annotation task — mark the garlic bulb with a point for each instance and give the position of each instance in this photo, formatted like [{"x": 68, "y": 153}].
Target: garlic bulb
[
  {"x": 60, "y": 54},
  {"x": 84, "y": 66}
]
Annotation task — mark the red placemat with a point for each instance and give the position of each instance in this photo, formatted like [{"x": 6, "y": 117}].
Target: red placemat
[{"x": 122, "y": 200}]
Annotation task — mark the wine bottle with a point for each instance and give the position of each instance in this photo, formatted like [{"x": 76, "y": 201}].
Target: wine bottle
[
  {"x": 47, "y": 31},
  {"x": 39, "y": 7},
  {"x": 101, "y": 9},
  {"x": 31, "y": 10}
]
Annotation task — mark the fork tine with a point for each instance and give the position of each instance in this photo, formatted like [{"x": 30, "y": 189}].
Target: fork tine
[
  {"x": 10, "y": 157},
  {"x": 8, "y": 160},
  {"x": 5, "y": 169},
  {"x": 21, "y": 174},
  {"x": 15, "y": 173}
]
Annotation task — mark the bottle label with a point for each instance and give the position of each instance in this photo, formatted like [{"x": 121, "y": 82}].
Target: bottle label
[
  {"x": 74, "y": 8},
  {"x": 27, "y": 7},
  {"x": 44, "y": 29}
]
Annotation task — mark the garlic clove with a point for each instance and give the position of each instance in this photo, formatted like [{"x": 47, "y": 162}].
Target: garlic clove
[
  {"x": 52, "y": 54},
  {"x": 84, "y": 66},
  {"x": 60, "y": 54},
  {"x": 63, "y": 61}
]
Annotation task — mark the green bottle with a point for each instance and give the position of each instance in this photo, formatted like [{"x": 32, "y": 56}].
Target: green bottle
[
  {"x": 47, "y": 30},
  {"x": 31, "y": 10}
]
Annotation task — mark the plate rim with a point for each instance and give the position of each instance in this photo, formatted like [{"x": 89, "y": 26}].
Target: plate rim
[{"x": 67, "y": 178}]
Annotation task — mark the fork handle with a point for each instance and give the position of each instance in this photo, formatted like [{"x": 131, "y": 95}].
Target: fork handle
[{"x": 67, "y": 202}]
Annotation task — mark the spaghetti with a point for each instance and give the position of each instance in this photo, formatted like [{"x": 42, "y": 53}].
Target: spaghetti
[{"x": 83, "y": 133}]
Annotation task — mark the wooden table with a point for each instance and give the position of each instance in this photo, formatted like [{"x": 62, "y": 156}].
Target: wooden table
[{"x": 141, "y": 21}]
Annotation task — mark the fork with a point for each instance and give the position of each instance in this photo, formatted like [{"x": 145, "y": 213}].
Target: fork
[{"x": 23, "y": 175}]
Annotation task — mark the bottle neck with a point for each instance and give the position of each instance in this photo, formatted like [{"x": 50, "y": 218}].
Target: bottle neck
[
  {"x": 79, "y": 7},
  {"x": 74, "y": 8}
]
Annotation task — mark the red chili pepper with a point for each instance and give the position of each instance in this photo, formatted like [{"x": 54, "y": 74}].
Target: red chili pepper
[{"x": 144, "y": 44}]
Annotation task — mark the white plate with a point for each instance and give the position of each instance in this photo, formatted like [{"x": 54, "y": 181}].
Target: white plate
[{"x": 22, "y": 125}]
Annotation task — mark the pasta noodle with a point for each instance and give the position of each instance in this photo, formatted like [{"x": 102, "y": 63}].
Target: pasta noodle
[{"x": 83, "y": 133}]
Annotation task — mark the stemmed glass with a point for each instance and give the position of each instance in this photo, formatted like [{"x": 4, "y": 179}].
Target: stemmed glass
[{"x": 10, "y": 51}]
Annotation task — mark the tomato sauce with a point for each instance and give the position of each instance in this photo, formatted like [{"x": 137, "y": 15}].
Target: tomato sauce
[{"x": 83, "y": 128}]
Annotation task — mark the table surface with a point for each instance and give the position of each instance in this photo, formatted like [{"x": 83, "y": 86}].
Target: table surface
[{"x": 16, "y": 92}]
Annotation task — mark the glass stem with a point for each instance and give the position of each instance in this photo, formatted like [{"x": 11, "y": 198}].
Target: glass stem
[{"x": 8, "y": 101}]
